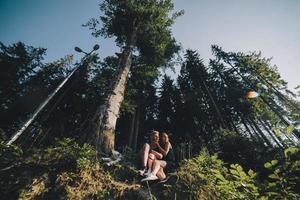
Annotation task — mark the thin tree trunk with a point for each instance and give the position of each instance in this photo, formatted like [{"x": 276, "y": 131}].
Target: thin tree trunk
[
  {"x": 131, "y": 131},
  {"x": 270, "y": 133},
  {"x": 248, "y": 129},
  {"x": 275, "y": 110},
  {"x": 233, "y": 126},
  {"x": 269, "y": 125},
  {"x": 136, "y": 129},
  {"x": 260, "y": 132},
  {"x": 276, "y": 91},
  {"x": 219, "y": 115},
  {"x": 259, "y": 138}
]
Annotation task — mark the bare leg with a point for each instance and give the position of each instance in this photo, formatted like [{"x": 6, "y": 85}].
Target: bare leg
[
  {"x": 161, "y": 174},
  {"x": 151, "y": 159},
  {"x": 144, "y": 154},
  {"x": 157, "y": 165}
]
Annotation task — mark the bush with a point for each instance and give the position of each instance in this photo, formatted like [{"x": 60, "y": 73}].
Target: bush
[
  {"x": 206, "y": 177},
  {"x": 284, "y": 180},
  {"x": 240, "y": 149},
  {"x": 9, "y": 155}
]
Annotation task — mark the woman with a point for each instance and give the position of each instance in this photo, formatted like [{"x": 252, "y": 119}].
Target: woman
[
  {"x": 149, "y": 153},
  {"x": 157, "y": 168}
]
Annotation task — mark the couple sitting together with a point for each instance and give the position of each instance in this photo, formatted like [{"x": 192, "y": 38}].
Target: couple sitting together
[{"x": 156, "y": 157}]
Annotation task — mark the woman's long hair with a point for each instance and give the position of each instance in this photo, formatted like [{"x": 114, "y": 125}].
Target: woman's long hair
[{"x": 164, "y": 143}]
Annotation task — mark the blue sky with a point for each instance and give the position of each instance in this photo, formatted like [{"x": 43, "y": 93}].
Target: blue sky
[{"x": 269, "y": 26}]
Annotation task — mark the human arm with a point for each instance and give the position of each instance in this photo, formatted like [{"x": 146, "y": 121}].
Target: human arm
[
  {"x": 157, "y": 154},
  {"x": 165, "y": 150}
]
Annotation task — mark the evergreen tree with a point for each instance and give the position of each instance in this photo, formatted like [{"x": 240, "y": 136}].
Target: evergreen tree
[
  {"x": 255, "y": 73},
  {"x": 166, "y": 108},
  {"x": 143, "y": 26}
]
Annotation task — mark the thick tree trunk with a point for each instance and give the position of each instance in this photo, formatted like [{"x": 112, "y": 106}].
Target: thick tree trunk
[{"x": 109, "y": 111}]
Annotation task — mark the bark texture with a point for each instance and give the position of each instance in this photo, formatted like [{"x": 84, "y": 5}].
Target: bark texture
[
  {"x": 106, "y": 119},
  {"x": 110, "y": 110}
]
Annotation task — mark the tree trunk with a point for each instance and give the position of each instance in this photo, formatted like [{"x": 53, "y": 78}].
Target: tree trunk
[
  {"x": 136, "y": 129},
  {"x": 248, "y": 129},
  {"x": 109, "y": 111},
  {"x": 131, "y": 131},
  {"x": 214, "y": 105},
  {"x": 296, "y": 133},
  {"x": 109, "y": 114},
  {"x": 273, "y": 136},
  {"x": 260, "y": 132},
  {"x": 259, "y": 138},
  {"x": 269, "y": 125}
]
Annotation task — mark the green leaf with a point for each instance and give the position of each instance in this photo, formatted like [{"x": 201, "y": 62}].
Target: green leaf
[
  {"x": 274, "y": 176},
  {"x": 220, "y": 176},
  {"x": 234, "y": 172},
  {"x": 277, "y": 171},
  {"x": 251, "y": 173},
  {"x": 276, "y": 131},
  {"x": 239, "y": 168},
  {"x": 274, "y": 162},
  {"x": 291, "y": 151},
  {"x": 267, "y": 165},
  {"x": 289, "y": 130}
]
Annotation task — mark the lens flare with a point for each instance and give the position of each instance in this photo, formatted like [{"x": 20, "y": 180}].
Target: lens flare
[{"x": 251, "y": 94}]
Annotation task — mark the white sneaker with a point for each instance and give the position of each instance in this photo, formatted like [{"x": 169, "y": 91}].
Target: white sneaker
[
  {"x": 142, "y": 172},
  {"x": 151, "y": 177},
  {"x": 147, "y": 173}
]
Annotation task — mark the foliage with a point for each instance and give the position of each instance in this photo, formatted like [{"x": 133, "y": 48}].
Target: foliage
[
  {"x": 237, "y": 184},
  {"x": 241, "y": 149},
  {"x": 36, "y": 189},
  {"x": 93, "y": 182},
  {"x": 67, "y": 170},
  {"x": 148, "y": 21},
  {"x": 19, "y": 63},
  {"x": 284, "y": 180},
  {"x": 9, "y": 155},
  {"x": 166, "y": 104},
  {"x": 207, "y": 177},
  {"x": 205, "y": 105}
]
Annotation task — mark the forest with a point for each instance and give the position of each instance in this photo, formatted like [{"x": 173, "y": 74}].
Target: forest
[{"x": 233, "y": 123}]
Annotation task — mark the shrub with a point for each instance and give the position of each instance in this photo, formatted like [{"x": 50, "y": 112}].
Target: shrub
[
  {"x": 206, "y": 177},
  {"x": 284, "y": 180},
  {"x": 9, "y": 155}
]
